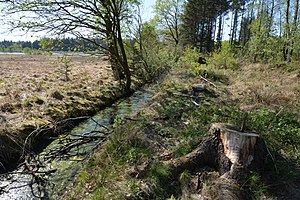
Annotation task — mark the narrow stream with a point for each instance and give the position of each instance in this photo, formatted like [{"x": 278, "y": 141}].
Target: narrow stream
[{"x": 67, "y": 169}]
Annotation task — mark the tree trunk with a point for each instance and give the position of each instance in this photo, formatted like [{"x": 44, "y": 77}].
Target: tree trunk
[
  {"x": 111, "y": 41},
  {"x": 220, "y": 32},
  {"x": 287, "y": 33},
  {"x": 123, "y": 61},
  {"x": 271, "y": 18},
  {"x": 261, "y": 14},
  {"x": 294, "y": 28},
  {"x": 241, "y": 26},
  {"x": 116, "y": 47},
  {"x": 234, "y": 27},
  {"x": 295, "y": 16}
]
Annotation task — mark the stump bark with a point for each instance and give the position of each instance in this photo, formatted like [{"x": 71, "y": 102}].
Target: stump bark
[{"x": 233, "y": 154}]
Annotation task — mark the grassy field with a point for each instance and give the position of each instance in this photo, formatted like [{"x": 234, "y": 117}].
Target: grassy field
[
  {"x": 34, "y": 93},
  {"x": 260, "y": 85},
  {"x": 31, "y": 84}
]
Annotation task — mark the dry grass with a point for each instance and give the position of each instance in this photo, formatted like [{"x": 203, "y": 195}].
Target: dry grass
[
  {"x": 257, "y": 85},
  {"x": 28, "y": 84}
]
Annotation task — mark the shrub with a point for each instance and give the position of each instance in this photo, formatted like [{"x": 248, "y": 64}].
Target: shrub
[
  {"x": 27, "y": 50},
  {"x": 189, "y": 59},
  {"x": 224, "y": 58},
  {"x": 152, "y": 57}
]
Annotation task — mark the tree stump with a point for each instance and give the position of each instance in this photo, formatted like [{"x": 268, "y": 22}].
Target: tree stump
[
  {"x": 229, "y": 152},
  {"x": 242, "y": 149}
]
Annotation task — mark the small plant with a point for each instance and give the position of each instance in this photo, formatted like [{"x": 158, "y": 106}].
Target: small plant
[
  {"x": 117, "y": 121},
  {"x": 172, "y": 198},
  {"x": 159, "y": 170},
  {"x": 136, "y": 153},
  {"x": 183, "y": 148},
  {"x": 66, "y": 60},
  {"x": 82, "y": 177},
  {"x": 99, "y": 194},
  {"x": 184, "y": 177},
  {"x": 132, "y": 155},
  {"x": 133, "y": 186},
  {"x": 256, "y": 186}
]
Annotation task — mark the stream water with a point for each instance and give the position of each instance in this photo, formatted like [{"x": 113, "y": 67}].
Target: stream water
[
  {"x": 19, "y": 184},
  {"x": 11, "y": 53}
]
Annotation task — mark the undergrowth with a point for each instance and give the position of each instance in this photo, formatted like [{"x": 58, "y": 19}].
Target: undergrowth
[{"x": 176, "y": 124}]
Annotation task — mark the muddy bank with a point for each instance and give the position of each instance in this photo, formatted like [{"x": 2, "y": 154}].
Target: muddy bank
[
  {"x": 37, "y": 134},
  {"x": 62, "y": 158}
]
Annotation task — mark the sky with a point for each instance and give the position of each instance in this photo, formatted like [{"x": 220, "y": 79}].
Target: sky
[
  {"x": 147, "y": 13},
  {"x": 146, "y": 10}
]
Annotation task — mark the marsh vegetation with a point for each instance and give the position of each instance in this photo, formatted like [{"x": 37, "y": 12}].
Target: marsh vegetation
[{"x": 248, "y": 82}]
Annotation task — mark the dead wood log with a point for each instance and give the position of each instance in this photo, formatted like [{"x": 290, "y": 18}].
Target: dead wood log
[{"x": 230, "y": 152}]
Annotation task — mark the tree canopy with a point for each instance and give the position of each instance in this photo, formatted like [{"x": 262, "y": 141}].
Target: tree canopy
[
  {"x": 168, "y": 13},
  {"x": 263, "y": 29},
  {"x": 199, "y": 21}
]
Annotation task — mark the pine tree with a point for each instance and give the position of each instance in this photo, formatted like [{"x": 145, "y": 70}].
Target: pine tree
[{"x": 199, "y": 22}]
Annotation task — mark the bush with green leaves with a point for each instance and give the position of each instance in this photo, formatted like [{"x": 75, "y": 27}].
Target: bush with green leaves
[
  {"x": 148, "y": 56},
  {"x": 225, "y": 58},
  {"x": 65, "y": 60},
  {"x": 189, "y": 59},
  {"x": 32, "y": 51}
]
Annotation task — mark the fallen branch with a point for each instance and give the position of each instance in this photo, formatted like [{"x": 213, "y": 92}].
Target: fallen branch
[
  {"x": 72, "y": 119},
  {"x": 211, "y": 83},
  {"x": 67, "y": 146},
  {"x": 98, "y": 124},
  {"x": 34, "y": 133}
]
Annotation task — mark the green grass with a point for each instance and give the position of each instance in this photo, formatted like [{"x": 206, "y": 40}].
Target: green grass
[{"x": 280, "y": 128}]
